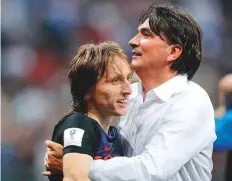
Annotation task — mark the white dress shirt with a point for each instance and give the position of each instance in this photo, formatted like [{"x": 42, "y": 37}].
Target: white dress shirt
[{"x": 169, "y": 137}]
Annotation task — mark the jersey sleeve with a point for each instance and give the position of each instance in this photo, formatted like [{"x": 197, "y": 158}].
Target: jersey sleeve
[{"x": 79, "y": 135}]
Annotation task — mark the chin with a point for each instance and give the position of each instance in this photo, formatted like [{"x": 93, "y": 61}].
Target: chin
[
  {"x": 135, "y": 66},
  {"x": 120, "y": 112}
]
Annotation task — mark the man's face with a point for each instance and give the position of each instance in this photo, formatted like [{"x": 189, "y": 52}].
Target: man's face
[
  {"x": 149, "y": 50},
  {"x": 113, "y": 89}
]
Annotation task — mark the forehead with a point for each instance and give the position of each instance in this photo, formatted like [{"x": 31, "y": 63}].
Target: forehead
[
  {"x": 145, "y": 25},
  {"x": 118, "y": 65}
]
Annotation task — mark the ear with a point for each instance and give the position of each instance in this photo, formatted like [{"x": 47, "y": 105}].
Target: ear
[{"x": 175, "y": 52}]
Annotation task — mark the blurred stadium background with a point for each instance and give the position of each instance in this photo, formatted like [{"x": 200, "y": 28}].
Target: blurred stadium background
[{"x": 38, "y": 39}]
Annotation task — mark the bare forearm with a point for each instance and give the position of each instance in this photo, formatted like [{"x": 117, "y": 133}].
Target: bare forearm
[{"x": 76, "y": 172}]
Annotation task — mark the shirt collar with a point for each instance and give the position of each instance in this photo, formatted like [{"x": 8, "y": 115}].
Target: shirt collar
[{"x": 167, "y": 89}]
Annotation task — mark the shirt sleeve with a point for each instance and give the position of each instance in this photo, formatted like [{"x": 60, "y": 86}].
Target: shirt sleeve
[
  {"x": 79, "y": 136},
  {"x": 183, "y": 134}
]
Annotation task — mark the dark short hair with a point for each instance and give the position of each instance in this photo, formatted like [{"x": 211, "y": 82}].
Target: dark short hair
[
  {"x": 87, "y": 67},
  {"x": 178, "y": 27}
]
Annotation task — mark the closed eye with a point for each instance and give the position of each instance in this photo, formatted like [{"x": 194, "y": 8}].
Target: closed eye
[
  {"x": 146, "y": 32},
  {"x": 116, "y": 79},
  {"x": 129, "y": 77}
]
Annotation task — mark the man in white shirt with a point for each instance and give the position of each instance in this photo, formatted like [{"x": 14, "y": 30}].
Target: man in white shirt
[{"x": 168, "y": 131}]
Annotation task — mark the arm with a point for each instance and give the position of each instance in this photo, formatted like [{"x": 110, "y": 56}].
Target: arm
[
  {"x": 182, "y": 136},
  {"x": 78, "y": 154},
  {"x": 76, "y": 167}
]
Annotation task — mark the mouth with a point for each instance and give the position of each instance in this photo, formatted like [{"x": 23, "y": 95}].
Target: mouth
[
  {"x": 136, "y": 53},
  {"x": 123, "y": 102}
]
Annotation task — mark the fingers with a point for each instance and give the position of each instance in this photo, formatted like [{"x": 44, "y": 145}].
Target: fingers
[
  {"x": 49, "y": 159},
  {"x": 46, "y": 173},
  {"x": 54, "y": 146},
  {"x": 50, "y": 144},
  {"x": 45, "y": 161},
  {"x": 54, "y": 149},
  {"x": 53, "y": 154},
  {"x": 55, "y": 165}
]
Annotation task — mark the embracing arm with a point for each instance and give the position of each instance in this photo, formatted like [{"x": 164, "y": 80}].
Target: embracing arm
[
  {"x": 177, "y": 141},
  {"x": 76, "y": 167}
]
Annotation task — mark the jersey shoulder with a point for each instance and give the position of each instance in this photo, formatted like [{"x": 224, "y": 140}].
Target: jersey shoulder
[{"x": 73, "y": 120}]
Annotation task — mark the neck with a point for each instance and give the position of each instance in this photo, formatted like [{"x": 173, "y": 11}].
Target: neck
[
  {"x": 153, "y": 78},
  {"x": 104, "y": 121}
]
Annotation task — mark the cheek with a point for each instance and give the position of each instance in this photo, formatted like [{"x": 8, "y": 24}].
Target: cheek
[
  {"x": 144, "y": 44},
  {"x": 102, "y": 96},
  {"x": 105, "y": 96},
  {"x": 153, "y": 51},
  {"x": 147, "y": 47}
]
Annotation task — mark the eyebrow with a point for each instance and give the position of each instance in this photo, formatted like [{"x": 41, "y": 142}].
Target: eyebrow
[
  {"x": 122, "y": 75},
  {"x": 145, "y": 29}
]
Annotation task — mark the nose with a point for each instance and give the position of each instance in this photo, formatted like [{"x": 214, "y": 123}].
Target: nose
[
  {"x": 127, "y": 90},
  {"x": 134, "y": 42}
]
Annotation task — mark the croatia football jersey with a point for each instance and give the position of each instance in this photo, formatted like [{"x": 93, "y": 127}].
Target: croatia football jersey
[{"x": 80, "y": 134}]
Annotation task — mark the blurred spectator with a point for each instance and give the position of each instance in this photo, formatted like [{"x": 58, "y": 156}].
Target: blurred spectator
[{"x": 224, "y": 122}]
